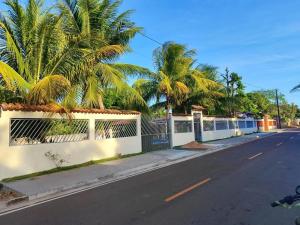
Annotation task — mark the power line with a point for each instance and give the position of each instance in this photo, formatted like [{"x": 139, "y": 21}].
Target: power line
[
  {"x": 254, "y": 86},
  {"x": 150, "y": 38}
]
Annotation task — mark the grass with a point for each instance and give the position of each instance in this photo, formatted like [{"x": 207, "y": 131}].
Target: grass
[{"x": 65, "y": 168}]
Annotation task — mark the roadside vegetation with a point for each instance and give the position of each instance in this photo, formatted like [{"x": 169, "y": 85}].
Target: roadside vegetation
[{"x": 67, "y": 56}]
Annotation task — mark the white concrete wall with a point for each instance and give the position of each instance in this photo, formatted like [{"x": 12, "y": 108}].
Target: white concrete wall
[
  {"x": 26, "y": 159},
  {"x": 221, "y": 134},
  {"x": 179, "y": 139}
]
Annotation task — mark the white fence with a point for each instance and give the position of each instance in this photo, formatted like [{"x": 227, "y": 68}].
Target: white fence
[
  {"x": 33, "y": 141},
  {"x": 27, "y": 137},
  {"x": 182, "y": 128},
  {"x": 214, "y": 128}
]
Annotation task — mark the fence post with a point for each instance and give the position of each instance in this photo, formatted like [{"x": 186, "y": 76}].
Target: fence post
[
  {"x": 170, "y": 123},
  {"x": 92, "y": 122}
]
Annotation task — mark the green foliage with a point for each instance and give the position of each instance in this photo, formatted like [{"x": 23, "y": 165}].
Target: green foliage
[
  {"x": 44, "y": 54},
  {"x": 7, "y": 96},
  {"x": 256, "y": 103},
  {"x": 65, "y": 127},
  {"x": 176, "y": 79},
  {"x": 234, "y": 93}
]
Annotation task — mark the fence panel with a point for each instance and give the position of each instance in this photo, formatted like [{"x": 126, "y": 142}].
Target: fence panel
[
  {"x": 155, "y": 133},
  {"x": 106, "y": 129},
  {"x": 25, "y": 131}
]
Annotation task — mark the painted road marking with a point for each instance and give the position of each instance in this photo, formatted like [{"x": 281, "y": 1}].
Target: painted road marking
[
  {"x": 291, "y": 137},
  {"x": 252, "y": 157},
  {"x": 279, "y": 144},
  {"x": 171, "y": 198}
]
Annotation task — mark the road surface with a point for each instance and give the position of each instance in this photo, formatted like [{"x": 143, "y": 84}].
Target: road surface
[{"x": 232, "y": 187}]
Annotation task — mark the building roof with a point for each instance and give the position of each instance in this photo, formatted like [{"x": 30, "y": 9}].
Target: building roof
[
  {"x": 197, "y": 107},
  {"x": 50, "y": 108}
]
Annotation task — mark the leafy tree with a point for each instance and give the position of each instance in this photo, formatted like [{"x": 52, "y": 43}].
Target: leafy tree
[
  {"x": 288, "y": 112},
  {"x": 256, "y": 103},
  {"x": 31, "y": 44},
  {"x": 68, "y": 56},
  {"x": 104, "y": 35},
  {"x": 175, "y": 77},
  {"x": 234, "y": 92},
  {"x": 209, "y": 98}
]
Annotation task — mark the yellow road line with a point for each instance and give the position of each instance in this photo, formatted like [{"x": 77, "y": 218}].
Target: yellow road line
[
  {"x": 252, "y": 157},
  {"x": 171, "y": 198}
]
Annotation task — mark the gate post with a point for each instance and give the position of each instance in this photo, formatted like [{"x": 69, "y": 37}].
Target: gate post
[
  {"x": 170, "y": 124},
  {"x": 198, "y": 125}
]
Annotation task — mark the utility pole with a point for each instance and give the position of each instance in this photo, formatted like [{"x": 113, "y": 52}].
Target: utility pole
[{"x": 278, "y": 111}]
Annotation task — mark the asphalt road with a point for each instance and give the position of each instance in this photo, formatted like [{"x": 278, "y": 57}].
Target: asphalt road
[{"x": 232, "y": 187}]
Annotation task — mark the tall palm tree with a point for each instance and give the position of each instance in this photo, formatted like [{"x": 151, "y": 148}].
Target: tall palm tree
[
  {"x": 175, "y": 78},
  {"x": 32, "y": 47},
  {"x": 209, "y": 97},
  {"x": 68, "y": 56},
  {"x": 104, "y": 35}
]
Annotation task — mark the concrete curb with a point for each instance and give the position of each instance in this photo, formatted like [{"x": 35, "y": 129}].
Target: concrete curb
[
  {"x": 65, "y": 191},
  {"x": 17, "y": 200}
]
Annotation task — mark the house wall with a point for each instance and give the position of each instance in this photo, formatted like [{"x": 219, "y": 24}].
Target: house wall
[
  {"x": 26, "y": 159},
  {"x": 179, "y": 139}
]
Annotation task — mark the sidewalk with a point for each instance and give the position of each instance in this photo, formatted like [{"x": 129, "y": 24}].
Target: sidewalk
[{"x": 116, "y": 170}]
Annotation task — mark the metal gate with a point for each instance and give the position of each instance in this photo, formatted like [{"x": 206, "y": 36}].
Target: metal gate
[
  {"x": 197, "y": 126},
  {"x": 156, "y": 133}
]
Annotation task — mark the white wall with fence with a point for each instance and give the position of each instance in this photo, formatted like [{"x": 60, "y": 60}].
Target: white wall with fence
[
  {"x": 29, "y": 140},
  {"x": 214, "y": 128},
  {"x": 36, "y": 140},
  {"x": 182, "y": 128}
]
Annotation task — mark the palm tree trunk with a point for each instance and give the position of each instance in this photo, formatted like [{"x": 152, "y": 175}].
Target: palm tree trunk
[
  {"x": 168, "y": 106},
  {"x": 100, "y": 102}
]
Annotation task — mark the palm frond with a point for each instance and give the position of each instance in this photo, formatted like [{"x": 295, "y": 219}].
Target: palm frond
[
  {"x": 12, "y": 79},
  {"x": 130, "y": 69},
  {"x": 49, "y": 89},
  {"x": 296, "y": 88}
]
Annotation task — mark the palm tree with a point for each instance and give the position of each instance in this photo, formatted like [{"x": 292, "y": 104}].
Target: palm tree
[
  {"x": 104, "y": 35},
  {"x": 31, "y": 47},
  {"x": 208, "y": 97},
  {"x": 68, "y": 56},
  {"x": 175, "y": 78}
]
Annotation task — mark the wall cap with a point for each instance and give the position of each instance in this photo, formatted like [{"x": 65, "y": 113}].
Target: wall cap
[{"x": 53, "y": 109}]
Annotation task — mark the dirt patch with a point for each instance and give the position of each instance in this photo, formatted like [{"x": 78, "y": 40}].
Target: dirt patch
[
  {"x": 195, "y": 145},
  {"x": 6, "y": 195}
]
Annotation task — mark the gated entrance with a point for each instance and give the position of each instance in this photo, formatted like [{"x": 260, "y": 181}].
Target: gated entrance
[
  {"x": 197, "y": 126},
  {"x": 155, "y": 133}
]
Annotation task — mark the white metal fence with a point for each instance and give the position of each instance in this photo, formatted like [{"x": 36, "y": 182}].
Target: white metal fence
[
  {"x": 218, "y": 128},
  {"x": 106, "y": 129},
  {"x": 26, "y": 131}
]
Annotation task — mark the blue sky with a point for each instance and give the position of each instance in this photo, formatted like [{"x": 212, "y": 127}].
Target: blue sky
[{"x": 258, "y": 39}]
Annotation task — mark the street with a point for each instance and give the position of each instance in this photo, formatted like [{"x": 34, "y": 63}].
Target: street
[{"x": 231, "y": 187}]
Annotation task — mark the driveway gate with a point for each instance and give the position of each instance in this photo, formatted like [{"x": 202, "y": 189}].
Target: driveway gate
[
  {"x": 197, "y": 126},
  {"x": 155, "y": 133}
]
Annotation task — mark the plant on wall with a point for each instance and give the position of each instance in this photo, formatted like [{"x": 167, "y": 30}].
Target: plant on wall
[{"x": 55, "y": 158}]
